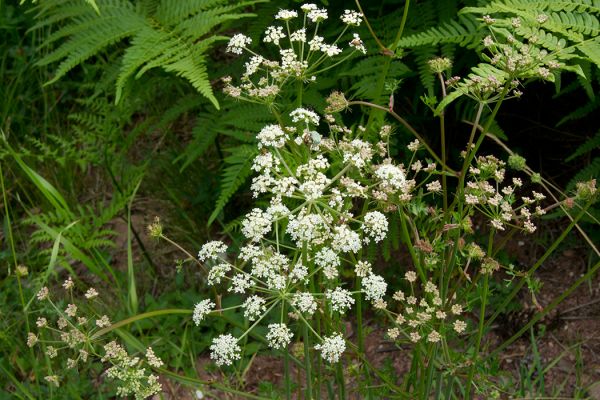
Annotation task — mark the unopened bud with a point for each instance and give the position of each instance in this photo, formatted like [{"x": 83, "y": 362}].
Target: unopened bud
[
  {"x": 336, "y": 102},
  {"x": 439, "y": 65}
]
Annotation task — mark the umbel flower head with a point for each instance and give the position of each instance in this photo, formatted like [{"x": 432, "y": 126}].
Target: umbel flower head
[{"x": 301, "y": 57}]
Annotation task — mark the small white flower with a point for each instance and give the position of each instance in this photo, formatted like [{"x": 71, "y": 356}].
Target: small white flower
[
  {"x": 68, "y": 284},
  {"x": 391, "y": 176},
  {"x": 374, "y": 287},
  {"x": 298, "y": 36},
  {"x": 103, "y": 322},
  {"x": 253, "y": 307},
  {"x": 71, "y": 310},
  {"x": 224, "y": 350},
  {"x": 329, "y": 261},
  {"x": 459, "y": 326},
  {"x": 434, "y": 337},
  {"x": 42, "y": 294},
  {"x": 279, "y": 336},
  {"x": 273, "y": 34},
  {"x": 331, "y": 50},
  {"x": 201, "y": 309},
  {"x": 375, "y": 224},
  {"x": 305, "y": 302},
  {"x": 217, "y": 273},
  {"x": 286, "y": 15},
  {"x": 316, "y": 43},
  {"x": 457, "y": 309},
  {"x": 332, "y": 347},
  {"x": 434, "y": 187},
  {"x": 345, "y": 240},
  {"x": 153, "y": 359},
  {"x": 91, "y": 293},
  {"x": 32, "y": 339},
  {"x": 211, "y": 250},
  {"x": 304, "y": 115},
  {"x": 256, "y": 225},
  {"x": 237, "y": 43},
  {"x": 299, "y": 273},
  {"x": 351, "y": 17},
  {"x": 317, "y": 15},
  {"x": 271, "y": 135},
  {"x": 240, "y": 283},
  {"x": 341, "y": 299},
  {"x": 308, "y": 7},
  {"x": 362, "y": 269},
  {"x": 410, "y": 276}
]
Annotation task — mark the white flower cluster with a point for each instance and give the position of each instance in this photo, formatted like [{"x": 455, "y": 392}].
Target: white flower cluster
[
  {"x": 211, "y": 250},
  {"x": 225, "y": 350},
  {"x": 340, "y": 299},
  {"x": 375, "y": 224},
  {"x": 300, "y": 56},
  {"x": 271, "y": 135},
  {"x": 332, "y": 347},
  {"x": 374, "y": 287},
  {"x": 279, "y": 336},
  {"x": 305, "y": 303},
  {"x": 237, "y": 43},
  {"x": 201, "y": 310}
]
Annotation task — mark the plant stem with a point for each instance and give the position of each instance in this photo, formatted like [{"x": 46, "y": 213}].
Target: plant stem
[
  {"x": 306, "y": 333},
  {"x": 139, "y": 317},
  {"x": 535, "y": 266},
  {"x": 480, "y": 331}
]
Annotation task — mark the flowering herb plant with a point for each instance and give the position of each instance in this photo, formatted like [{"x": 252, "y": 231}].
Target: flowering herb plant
[{"x": 328, "y": 195}]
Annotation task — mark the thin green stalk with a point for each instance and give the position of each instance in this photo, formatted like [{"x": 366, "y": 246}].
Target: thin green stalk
[
  {"x": 286, "y": 362},
  {"x": 481, "y": 325},
  {"x": 306, "y": 334},
  {"x": 431, "y": 354},
  {"x": 307, "y": 362},
  {"x": 340, "y": 381},
  {"x": 546, "y": 310},
  {"x": 480, "y": 331},
  {"x": 535, "y": 266},
  {"x": 139, "y": 317},
  {"x": 406, "y": 237},
  {"x": 443, "y": 144}
]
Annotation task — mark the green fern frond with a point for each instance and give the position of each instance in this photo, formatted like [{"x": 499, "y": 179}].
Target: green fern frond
[
  {"x": 465, "y": 32},
  {"x": 170, "y": 12},
  {"x": 239, "y": 121},
  {"x": 422, "y": 55},
  {"x": 589, "y": 145},
  {"x": 581, "y": 112},
  {"x": 234, "y": 175},
  {"x": 171, "y": 34},
  {"x": 591, "y": 49}
]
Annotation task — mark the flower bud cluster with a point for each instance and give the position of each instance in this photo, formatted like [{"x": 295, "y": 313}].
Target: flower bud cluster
[
  {"x": 501, "y": 204},
  {"x": 427, "y": 318},
  {"x": 75, "y": 333}
]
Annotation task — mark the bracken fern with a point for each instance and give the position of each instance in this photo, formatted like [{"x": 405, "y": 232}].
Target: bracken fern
[{"x": 173, "y": 35}]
